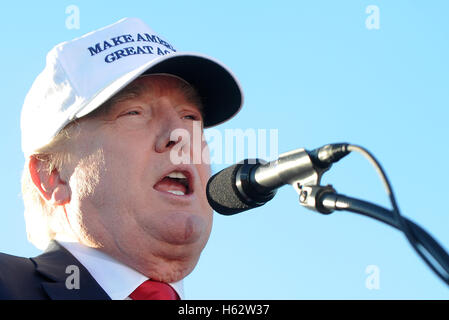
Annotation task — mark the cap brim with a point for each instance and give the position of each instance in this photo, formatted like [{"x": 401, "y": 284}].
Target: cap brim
[{"x": 219, "y": 89}]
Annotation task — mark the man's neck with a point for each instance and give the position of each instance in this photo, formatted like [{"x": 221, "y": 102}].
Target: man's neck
[{"x": 117, "y": 279}]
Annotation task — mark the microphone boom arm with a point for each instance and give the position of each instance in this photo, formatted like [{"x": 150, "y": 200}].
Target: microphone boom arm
[{"x": 325, "y": 200}]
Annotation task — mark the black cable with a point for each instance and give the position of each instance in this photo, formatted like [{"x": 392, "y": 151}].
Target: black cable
[
  {"x": 342, "y": 202},
  {"x": 403, "y": 225}
]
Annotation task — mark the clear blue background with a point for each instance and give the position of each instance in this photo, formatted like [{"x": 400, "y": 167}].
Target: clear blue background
[{"x": 312, "y": 70}]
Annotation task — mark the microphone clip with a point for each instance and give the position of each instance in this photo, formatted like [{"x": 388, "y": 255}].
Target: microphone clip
[{"x": 314, "y": 196}]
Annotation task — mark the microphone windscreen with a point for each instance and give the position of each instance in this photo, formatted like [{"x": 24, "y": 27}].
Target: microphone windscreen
[{"x": 222, "y": 192}]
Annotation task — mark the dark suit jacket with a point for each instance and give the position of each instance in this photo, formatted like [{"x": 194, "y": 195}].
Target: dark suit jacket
[{"x": 44, "y": 277}]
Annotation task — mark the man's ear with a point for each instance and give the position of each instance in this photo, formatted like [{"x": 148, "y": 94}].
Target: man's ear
[{"x": 50, "y": 185}]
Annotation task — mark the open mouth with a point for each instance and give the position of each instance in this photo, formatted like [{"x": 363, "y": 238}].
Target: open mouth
[{"x": 176, "y": 182}]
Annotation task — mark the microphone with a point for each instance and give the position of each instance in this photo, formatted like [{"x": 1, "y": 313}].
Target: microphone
[{"x": 253, "y": 182}]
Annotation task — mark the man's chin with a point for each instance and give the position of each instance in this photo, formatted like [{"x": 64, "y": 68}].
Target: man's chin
[
  {"x": 172, "y": 271},
  {"x": 182, "y": 228}
]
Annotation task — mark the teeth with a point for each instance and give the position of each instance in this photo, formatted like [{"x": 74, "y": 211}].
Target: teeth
[
  {"x": 177, "y": 192},
  {"x": 176, "y": 174}
]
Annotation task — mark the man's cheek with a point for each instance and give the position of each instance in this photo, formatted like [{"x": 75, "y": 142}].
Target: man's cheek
[
  {"x": 204, "y": 170},
  {"x": 205, "y": 155}
]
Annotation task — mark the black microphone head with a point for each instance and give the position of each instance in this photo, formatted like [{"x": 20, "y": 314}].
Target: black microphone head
[{"x": 222, "y": 192}]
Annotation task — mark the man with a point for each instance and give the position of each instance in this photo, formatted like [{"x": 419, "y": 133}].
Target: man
[{"x": 103, "y": 186}]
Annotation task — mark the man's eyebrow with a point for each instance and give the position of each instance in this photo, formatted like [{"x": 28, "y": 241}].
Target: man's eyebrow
[
  {"x": 130, "y": 92},
  {"x": 134, "y": 90},
  {"x": 192, "y": 96}
]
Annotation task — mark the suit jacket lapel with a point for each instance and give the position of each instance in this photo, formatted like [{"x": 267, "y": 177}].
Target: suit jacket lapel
[{"x": 59, "y": 266}]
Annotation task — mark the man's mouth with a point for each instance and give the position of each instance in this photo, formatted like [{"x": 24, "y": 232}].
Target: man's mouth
[{"x": 176, "y": 182}]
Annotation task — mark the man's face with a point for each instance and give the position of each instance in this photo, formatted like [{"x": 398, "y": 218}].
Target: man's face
[{"x": 128, "y": 198}]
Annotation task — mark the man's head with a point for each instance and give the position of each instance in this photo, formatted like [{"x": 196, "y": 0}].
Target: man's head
[
  {"x": 97, "y": 134},
  {"x": 114, "y": 192}
]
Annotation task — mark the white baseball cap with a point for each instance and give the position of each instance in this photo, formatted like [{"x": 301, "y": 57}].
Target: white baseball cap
[{"x": 80, "y": 75}]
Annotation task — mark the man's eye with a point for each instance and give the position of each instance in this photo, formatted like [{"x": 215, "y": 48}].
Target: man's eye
[
  {"x": 192, "y": 117},
  {"x": 131, "y": 113}
]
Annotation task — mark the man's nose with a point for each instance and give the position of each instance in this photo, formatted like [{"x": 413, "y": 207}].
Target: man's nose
[{"x": 172, "y": 130}]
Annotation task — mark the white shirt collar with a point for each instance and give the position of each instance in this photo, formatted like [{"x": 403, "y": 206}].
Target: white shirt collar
[{"x": 116, "y": 279}]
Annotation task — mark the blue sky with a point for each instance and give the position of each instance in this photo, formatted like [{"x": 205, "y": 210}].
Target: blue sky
[{"x": 316, "y": 73}]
